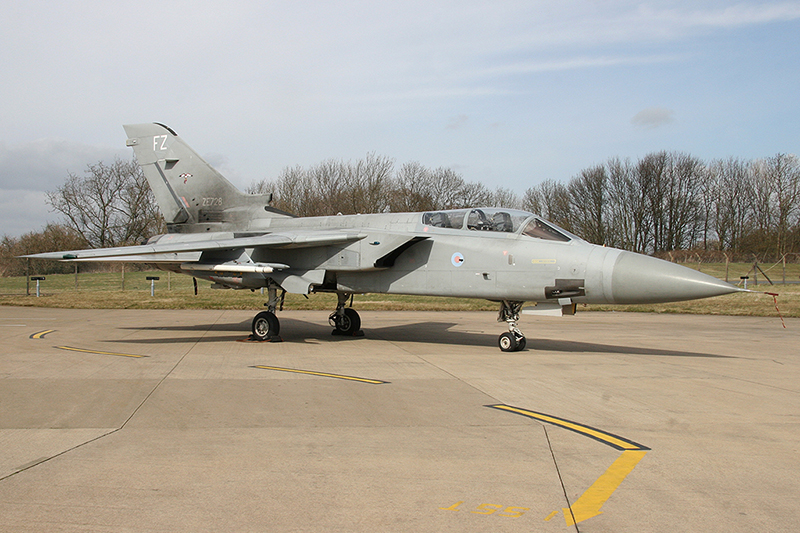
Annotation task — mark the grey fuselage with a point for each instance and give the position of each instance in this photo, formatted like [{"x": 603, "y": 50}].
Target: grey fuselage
[
  {"x": 398, "y": 253},
  {"x": 239, "y": 241}
]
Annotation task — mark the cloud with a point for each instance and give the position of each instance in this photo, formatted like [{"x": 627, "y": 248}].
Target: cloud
[
  {"x": 728, "y": 16},
  {"x": 653, "y": 117},
  {"x": 29, "y": 169},
  {"x": 457, "y": 123},
  {"x": 22, "y": 211},
  {"x": 44, "y": 164},
  {"x": 575, "y": 63}
]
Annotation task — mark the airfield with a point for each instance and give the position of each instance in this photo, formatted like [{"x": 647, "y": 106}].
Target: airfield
[{"x": 123, "y": 420}]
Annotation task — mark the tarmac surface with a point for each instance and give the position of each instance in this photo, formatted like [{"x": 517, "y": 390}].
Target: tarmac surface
[{"x": 120, "y": 420}]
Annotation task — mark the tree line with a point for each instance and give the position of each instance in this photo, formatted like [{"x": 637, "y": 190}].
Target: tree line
[
  {"x": 670, "y": 201},
  {"x": 663, "y": 202},
  {"x": 374, "y": 185}
]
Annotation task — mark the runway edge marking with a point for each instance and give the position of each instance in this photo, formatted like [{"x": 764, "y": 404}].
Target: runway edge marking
[
  {"x": 321, "y": 374},
  {"x": 591, "y": 501}
]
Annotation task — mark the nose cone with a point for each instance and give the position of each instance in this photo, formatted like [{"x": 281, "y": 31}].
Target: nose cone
[{"x": 638, "y": 278}]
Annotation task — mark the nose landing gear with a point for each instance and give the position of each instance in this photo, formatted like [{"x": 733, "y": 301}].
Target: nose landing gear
[{"x": 513, "y": 340}]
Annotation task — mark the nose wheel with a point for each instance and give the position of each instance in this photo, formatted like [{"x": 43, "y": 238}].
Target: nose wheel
[
  {"x": 513, "y": 340},
  {"x": 509, "y": 342}
]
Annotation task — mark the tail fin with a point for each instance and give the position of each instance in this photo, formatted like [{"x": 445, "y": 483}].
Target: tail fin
[{"x": 192, "y": 195}]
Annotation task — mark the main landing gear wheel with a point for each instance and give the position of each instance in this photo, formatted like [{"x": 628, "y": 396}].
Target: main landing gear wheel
[
  {"x": 345, "y": 322},
  {"x": 266, "y": 326}
]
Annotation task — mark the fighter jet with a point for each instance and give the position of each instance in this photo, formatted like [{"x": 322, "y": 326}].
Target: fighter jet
[{"x": 238, "y": 241}]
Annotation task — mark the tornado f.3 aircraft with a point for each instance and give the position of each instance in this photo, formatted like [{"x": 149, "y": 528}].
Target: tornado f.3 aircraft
[{"x": 239, "y": 241}]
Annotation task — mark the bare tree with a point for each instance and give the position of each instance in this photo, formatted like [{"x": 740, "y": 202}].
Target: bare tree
[
  {"x": 783, "y": 173},
  {"x": 729, "y": 193},
  {"x": 471, "y": 194},
  {"x": 448, "y": 189},
  {"x": 588, "y": 197},
  {"x": 682, "y": 209},
  {"x": 412, "y": 189},
  {"x": 551, "y": 200},
  {"x": 502, "y": 197},
  {"x": 671, "y": 185},
  {"x": 651, "y": 172},
  {"x": 111, "y": 205},
  {"x": 367, "y": 183},
  {"x": 630, "y": 222}
]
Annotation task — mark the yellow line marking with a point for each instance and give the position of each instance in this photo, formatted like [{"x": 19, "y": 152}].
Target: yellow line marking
[
  {"x": 594, "y": 433},
  {"x": 591, "y": 501},
  {"x": 322, "y": 374},
  {"x": 70, "y": 348},
  {"x": 41, "y": 334},
  {"x": 589, "y": 504}
]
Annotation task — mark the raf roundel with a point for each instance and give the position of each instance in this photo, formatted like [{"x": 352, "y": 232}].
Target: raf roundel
[{"x": 457, "y": 259}]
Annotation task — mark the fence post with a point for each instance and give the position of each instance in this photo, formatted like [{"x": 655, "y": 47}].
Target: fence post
[
  {"x": 152, "y": 280},
  {"x": 727, "y": 261},
  {"x": 784, "y": 268},
  {"x": 37, "y": 279}
]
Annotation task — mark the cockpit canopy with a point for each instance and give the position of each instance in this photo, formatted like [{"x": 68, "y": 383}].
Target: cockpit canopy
[
  {"x": 477, "y": 219},
  {"x": 498, "y": 220}
]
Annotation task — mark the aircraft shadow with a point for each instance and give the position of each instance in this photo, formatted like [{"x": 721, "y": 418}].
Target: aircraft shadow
[
  {"x": 443, "y": 335},
  {"x": 233, "y": 326},
  {"x": 294, "y": 330},
  {"x": 592, "y": 347}
]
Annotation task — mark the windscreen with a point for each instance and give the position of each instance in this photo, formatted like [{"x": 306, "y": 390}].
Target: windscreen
[{"x": 538, "y": 229}]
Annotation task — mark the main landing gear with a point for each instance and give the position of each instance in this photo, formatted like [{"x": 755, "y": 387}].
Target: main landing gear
[
  {"x": 345, "y": 320},
  {"x": 267, "y": 327},
  {"x": 513, "y": 340}
]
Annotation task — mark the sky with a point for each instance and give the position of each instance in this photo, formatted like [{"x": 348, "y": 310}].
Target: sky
[{"x": 507, "y": 93}]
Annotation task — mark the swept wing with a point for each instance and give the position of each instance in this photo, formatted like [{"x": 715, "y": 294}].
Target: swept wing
[{"x": 167, "y": 245}]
